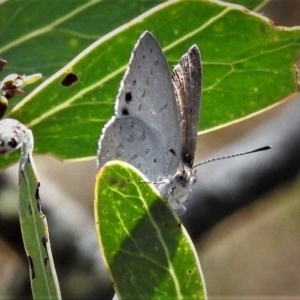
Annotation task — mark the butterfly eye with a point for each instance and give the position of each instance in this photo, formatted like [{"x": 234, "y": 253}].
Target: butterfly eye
[{"x": 180, "y": 177}]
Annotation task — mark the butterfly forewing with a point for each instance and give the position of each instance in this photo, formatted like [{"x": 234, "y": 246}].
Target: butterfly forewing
[{"x": 146, "y": 99}]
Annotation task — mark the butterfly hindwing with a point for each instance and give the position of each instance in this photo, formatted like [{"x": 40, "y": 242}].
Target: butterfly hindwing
[{"x": 187, "y": 79}]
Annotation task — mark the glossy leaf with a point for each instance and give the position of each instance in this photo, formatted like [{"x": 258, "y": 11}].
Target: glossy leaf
[
  {"x": 146, "y": 248},
  {"x": 244, "y": 71}
]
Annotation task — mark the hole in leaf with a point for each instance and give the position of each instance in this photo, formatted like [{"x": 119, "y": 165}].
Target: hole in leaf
[{"x": 69, "y": 79}]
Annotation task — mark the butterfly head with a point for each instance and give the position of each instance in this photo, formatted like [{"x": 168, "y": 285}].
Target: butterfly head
[{"x": 185, "y": 178}]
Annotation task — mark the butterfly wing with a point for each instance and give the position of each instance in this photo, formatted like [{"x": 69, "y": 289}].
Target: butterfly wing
[
  {"x": 186, "y": 80},
  {"x": 145, "y": 118}
]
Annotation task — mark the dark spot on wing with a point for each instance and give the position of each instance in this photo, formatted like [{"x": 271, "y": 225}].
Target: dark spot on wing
[
  {"x": 154, "y": 160},
  {"x": 172, "y": 151},
  {"x": 134, "y": 82},
  {"x": 163, "y": 107},
  {"x": 134, "y": 156},
  {"x": 125, "y": 111},
  {"x": 128, "y": 97},
  {"x": 151, "y": 50},
  {"x": 69, "y": 79},
  {"x": 156, "y": 62}
]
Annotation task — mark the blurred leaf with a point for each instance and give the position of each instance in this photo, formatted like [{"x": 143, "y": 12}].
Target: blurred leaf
[
  {"x": 244, "y": 71},
  {"x": 43, "y": 278},
  {"x": 146, "y": 248}
]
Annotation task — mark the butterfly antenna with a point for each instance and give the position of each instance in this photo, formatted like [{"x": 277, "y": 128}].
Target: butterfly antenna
[{"x": 232, "y": 155}]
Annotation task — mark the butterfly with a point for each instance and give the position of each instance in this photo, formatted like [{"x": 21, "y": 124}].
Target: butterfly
[{"x": 156, "y": 120}]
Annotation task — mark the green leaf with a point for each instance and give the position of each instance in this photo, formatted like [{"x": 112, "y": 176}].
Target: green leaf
[
  {"x": 43, "y": 278},
  {"x": 244, "y": 71},
  {"x": 31, "y": 43},
  {"x": 253, "y": 4},
  {"x": 146, "y": 248}
]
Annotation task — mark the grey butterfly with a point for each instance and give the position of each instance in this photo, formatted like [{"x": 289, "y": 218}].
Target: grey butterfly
[{"x": 156, "y": 119}]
